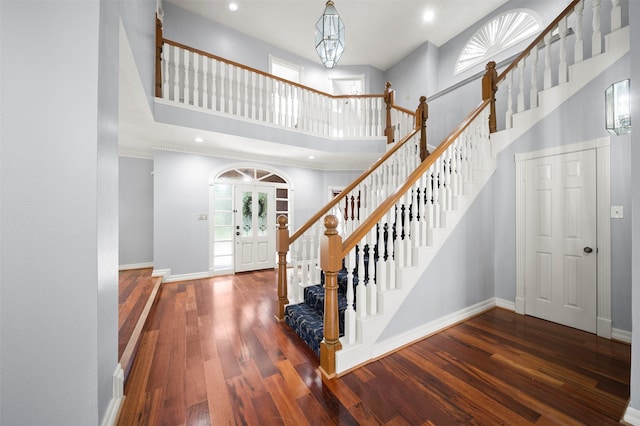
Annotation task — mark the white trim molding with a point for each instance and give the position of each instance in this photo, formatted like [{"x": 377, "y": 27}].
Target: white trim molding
[
  {"x": 135, "y": 266},
  {"x": 632, "y": 416},
  {"x": 621, "y": 335},
  {"x": 113, "y": 408},
  {"x": 603, "y": 188}
]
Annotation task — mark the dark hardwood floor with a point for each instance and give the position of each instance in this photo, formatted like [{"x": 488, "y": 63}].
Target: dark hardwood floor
[
  {"x": 212, "y": 353},
  {"x": 136, "y": 293}
]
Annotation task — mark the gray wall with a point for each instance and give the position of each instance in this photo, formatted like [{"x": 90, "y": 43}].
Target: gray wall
[
  {"x": 414, "y": 76},
  {"x": 445, "y": 287},
  {"x": 181, "y": 192},
  {"x": 58, "y": 329},
  {"x": 634, "y": 18},
  {"x": 135, "y": 211}
]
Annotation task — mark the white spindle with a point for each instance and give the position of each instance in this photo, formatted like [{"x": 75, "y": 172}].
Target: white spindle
[
  {"x": 509, "y": 113},
  {"x": 361, "y": 290},
  {"x": 563, "y": 69},
  {"x": 186, "y": 85},
  {"x": 350, "y": 313},
  {"x": 533, "y": 93},
  {"x": 372, "y": 292},
  {"x": 547, "y": 61},
  {"x": 215, "y": 104},
  {"x": 223, "y": 89},
  {"x": 176, "y": 73},
  {"x": 521, "y": 86},
  {"x": 579, "y": 29},
  {"x": 238, "y": 87},
  {"x": 165, "y": 68},
  {"x": 616, "y": 15},
  {"x": 247, "y": 91},
  {"x": 205, "y": 81},
  {"x": 196, "y": 85},
  {"x": 596, "y": 40}
]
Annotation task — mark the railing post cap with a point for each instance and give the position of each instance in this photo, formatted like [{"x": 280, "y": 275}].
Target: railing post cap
[
  {"x": 331, "y": 224},
  {"x": 283, "y": 220}
]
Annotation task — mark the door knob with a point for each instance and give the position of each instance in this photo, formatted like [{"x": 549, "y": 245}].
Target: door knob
[{"x": 588, "y": 249}]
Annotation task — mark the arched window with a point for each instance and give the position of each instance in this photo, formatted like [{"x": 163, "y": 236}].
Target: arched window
[{"x": 496, "y": 36}]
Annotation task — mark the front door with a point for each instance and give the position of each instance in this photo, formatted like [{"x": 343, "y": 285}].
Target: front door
[
  {"x": 255, "y": 223},
  {"x": 560, "y": 240}
]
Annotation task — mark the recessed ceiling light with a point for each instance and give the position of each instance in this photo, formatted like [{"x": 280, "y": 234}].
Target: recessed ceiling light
[
  {"x": 233, "y": 6},
  {"x": 311, "y": 157},
  {"x": 428, "y": 15},
  {"x": 199, "y": 140}
]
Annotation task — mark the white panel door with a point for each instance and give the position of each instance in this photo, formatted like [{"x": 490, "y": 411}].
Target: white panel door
[
  {"x": 561, "y": 252},
  {"x": 255, "y": 224}
]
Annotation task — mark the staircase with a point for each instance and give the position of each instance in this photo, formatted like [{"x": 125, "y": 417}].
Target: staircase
[{"x": 400, "y": 212}]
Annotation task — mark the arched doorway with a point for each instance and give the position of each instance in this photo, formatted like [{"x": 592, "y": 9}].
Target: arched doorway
[{"x": 244, "y": 204}]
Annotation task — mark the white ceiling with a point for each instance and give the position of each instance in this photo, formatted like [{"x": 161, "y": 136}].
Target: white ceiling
[{"x": 378, "y": 33}]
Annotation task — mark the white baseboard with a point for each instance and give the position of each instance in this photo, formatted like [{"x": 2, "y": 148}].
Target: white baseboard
[
  {"x": 505, "y": 304},
  {"x": 185, "y": 277},
  {"x": 632, "y": 416},
  {"x": 164, "y": 273},
  {"x": 621, "y": 335},
  {"x": 135, "y": 266},
  {"x": 113, "y": 409},
  {"x": 431, "y": 327}
]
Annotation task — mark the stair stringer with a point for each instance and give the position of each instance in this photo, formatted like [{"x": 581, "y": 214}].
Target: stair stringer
[
  {"x": 617, "y": 44},
  {"x": 390, "y": 301}
]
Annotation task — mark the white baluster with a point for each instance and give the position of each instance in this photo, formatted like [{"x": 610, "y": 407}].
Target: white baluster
[
  {"x": 437, "y": 180},
  {"x": 596, "y": 40},
  {"x": 372, "y": 290},
  {"x": 616, "y": 15},
  {"x": 381, "y": 265},
  {"x": 295, "y": 279},
  {"x": 547, "y": 61},
  {"x": 533, "y": 93},
  {"x": 579, "y": 29},
  {"x": 205, "y": 81},
  {"x": 223, "y": 87},
  {"x": 247, "y": 93},
  {"x": 215, "y": 104},
  {"x": 521, "y": 86},
  {"x": 361, "y": 289},
  {"x": 390, "y": 247},
  {"x": 563, "y": 69},
  {"x": 350, "y": 313},
  {"x": 165, "y": 68},
  {"x": 176, "y": 73},
  {"x": 186, "y": 68},
  {"x": 509, "y": 113},
  {"x": 196, "y": 78}
]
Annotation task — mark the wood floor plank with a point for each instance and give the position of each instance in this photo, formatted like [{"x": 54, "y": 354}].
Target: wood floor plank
[{"x": 212, "y": 353}]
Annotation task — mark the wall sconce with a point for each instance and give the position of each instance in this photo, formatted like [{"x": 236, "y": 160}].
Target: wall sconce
[{"x": 617, "y": 104}]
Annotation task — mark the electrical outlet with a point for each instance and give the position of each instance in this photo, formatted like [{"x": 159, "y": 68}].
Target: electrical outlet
[
  {"x": 616, "y": 212},
  {"x": 202, "y": 217}
]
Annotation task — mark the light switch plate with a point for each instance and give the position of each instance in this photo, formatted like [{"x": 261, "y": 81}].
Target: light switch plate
[{"x": 616, "y": 212}]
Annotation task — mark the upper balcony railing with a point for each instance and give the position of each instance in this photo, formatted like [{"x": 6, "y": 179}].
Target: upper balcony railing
[{"x": 198, "y": 79}]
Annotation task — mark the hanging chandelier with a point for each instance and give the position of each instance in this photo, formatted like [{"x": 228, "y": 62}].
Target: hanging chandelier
[{"x": 330, "y": 36}]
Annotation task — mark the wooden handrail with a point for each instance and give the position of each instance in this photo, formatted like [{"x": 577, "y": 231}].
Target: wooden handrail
[
  {"x": 266, "y": 74},
  {"x": 359, "y": 233},
  {"x": 537, "y": 40},
  {"x": 346, "y": 190}
]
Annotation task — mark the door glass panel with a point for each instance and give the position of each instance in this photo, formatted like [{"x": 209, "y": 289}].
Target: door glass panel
[
  {"x": 222, "y": 218},
  {"x": 247, "y": 213},
  {"x": 222, "y": 190},
  {"x": 223, "y": 233},
  {"x": 262, "y": 214},
  {"x": 223, "y": 248}
]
